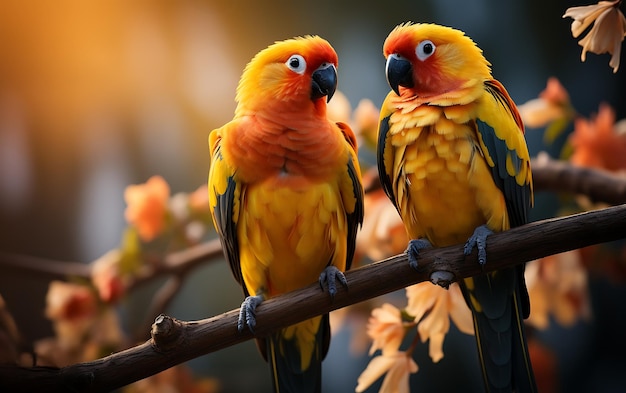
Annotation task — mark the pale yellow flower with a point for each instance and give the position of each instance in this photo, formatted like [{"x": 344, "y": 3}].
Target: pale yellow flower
[
  {"x": 557, "y": 286},
  {"x": 386, "y": 329},
  {"x": 396, "y": 366},
  {"x": 552, "y": 104},
  {"x": 538, "y": 113},
  {"x": 434, "y": 306},
  {"x": 607, "y": 33}
]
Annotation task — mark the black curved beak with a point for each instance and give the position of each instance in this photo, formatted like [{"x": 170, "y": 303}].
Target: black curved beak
[
  {"x": 324, "y": 82},
  {"x": 399, "y": 72}
]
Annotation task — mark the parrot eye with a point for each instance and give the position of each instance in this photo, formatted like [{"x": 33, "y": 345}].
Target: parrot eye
[
  {"x": 297, "y": 64},
  {"x": 425, "y": 49}
]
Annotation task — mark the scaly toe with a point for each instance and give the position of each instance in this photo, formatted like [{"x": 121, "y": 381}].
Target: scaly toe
[
  {"x": 478, "y": 240},
  {"x": 247, "y": 312},
  {"x": 329, "y": 276},
  {"x": 413, "y": 251}
]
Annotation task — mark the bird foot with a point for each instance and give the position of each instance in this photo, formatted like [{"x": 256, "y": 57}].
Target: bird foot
[
  {"x": 328, "y": 277},
  {"x": 247, "y": 312},
  {"x": 478, "y": 240},
  {"x": 413, "y": 250}
]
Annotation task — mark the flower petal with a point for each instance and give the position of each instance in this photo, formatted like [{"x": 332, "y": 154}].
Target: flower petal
[
  {"x": 606, "y": 35},
  {"x": 378, "y": 366},
  {"x": 585, "y": 15},
  {"x": 386, "y": 329},
  {"x": 397, "y": 378},
  {"x": 539, "y": 112},
  {"x": 435, "y": 347},
  {"x": 147, "y": 206},
  {"x": 421, "y": 298}
]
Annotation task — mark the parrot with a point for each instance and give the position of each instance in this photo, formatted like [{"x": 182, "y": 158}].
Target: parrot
[
  {"x": 286, "y": 197},
  {"x": 453, "y": 159}
]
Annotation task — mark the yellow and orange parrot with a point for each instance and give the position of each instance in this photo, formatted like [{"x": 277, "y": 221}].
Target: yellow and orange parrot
[
  {"x": 453, "y": 159},
  {"x": 286, "y": 196}
]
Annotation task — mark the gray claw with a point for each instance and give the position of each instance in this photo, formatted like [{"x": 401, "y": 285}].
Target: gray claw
[
  {"x": 478, "y": 240},
  {"x": 328, "y": 277},
  {"x": 247, "y": 312},
  {"x": 413, "y": 250}
]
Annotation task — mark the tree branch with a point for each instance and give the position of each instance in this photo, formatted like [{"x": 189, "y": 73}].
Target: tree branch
[
  {"x": 44, "y": 266},
  {"x": 560, "y": 176},
  {"x": 174, "y": 341},
  {"x": 177, "y": 263}
]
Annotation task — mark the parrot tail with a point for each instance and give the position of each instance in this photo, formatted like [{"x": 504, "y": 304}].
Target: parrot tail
[
  {"x": 499, "y": 304},
  {"x": 286, "y": 352}
]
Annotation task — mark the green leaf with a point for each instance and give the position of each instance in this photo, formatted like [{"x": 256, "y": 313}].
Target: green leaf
[
  {"x": 130, "y": 260},
  {"x": 566, "y": 151},
  {"x": 556, "y": 129}
]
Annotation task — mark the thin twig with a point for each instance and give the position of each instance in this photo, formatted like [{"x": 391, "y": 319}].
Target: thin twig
[
  {"x": 179, "y": 262},
  {"x": 173, "y": 263},
  {"x": 174, "y": 342},
  {"x": 44, "y": 266}
]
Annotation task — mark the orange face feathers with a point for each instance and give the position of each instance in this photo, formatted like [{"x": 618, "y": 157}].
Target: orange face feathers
[
  {"x": 428, "y": 59},
  {"x": 301, "y": 69}
]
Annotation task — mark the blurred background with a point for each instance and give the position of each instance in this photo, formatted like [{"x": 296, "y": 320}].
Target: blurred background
[{"x": 96, "y": 95}]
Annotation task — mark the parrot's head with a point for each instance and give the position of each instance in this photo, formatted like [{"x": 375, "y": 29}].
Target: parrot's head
[
  {"x": 300, "y": 70},
  {"x": 427, "y": 59}
]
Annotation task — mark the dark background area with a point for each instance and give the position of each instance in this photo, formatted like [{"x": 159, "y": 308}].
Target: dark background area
[{"x": 98, "y": 95}]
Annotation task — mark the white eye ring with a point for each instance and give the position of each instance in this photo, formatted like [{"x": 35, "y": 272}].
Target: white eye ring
[
  {"x": 425, "y": 49},
  {"x": 297, "y": 64}
]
